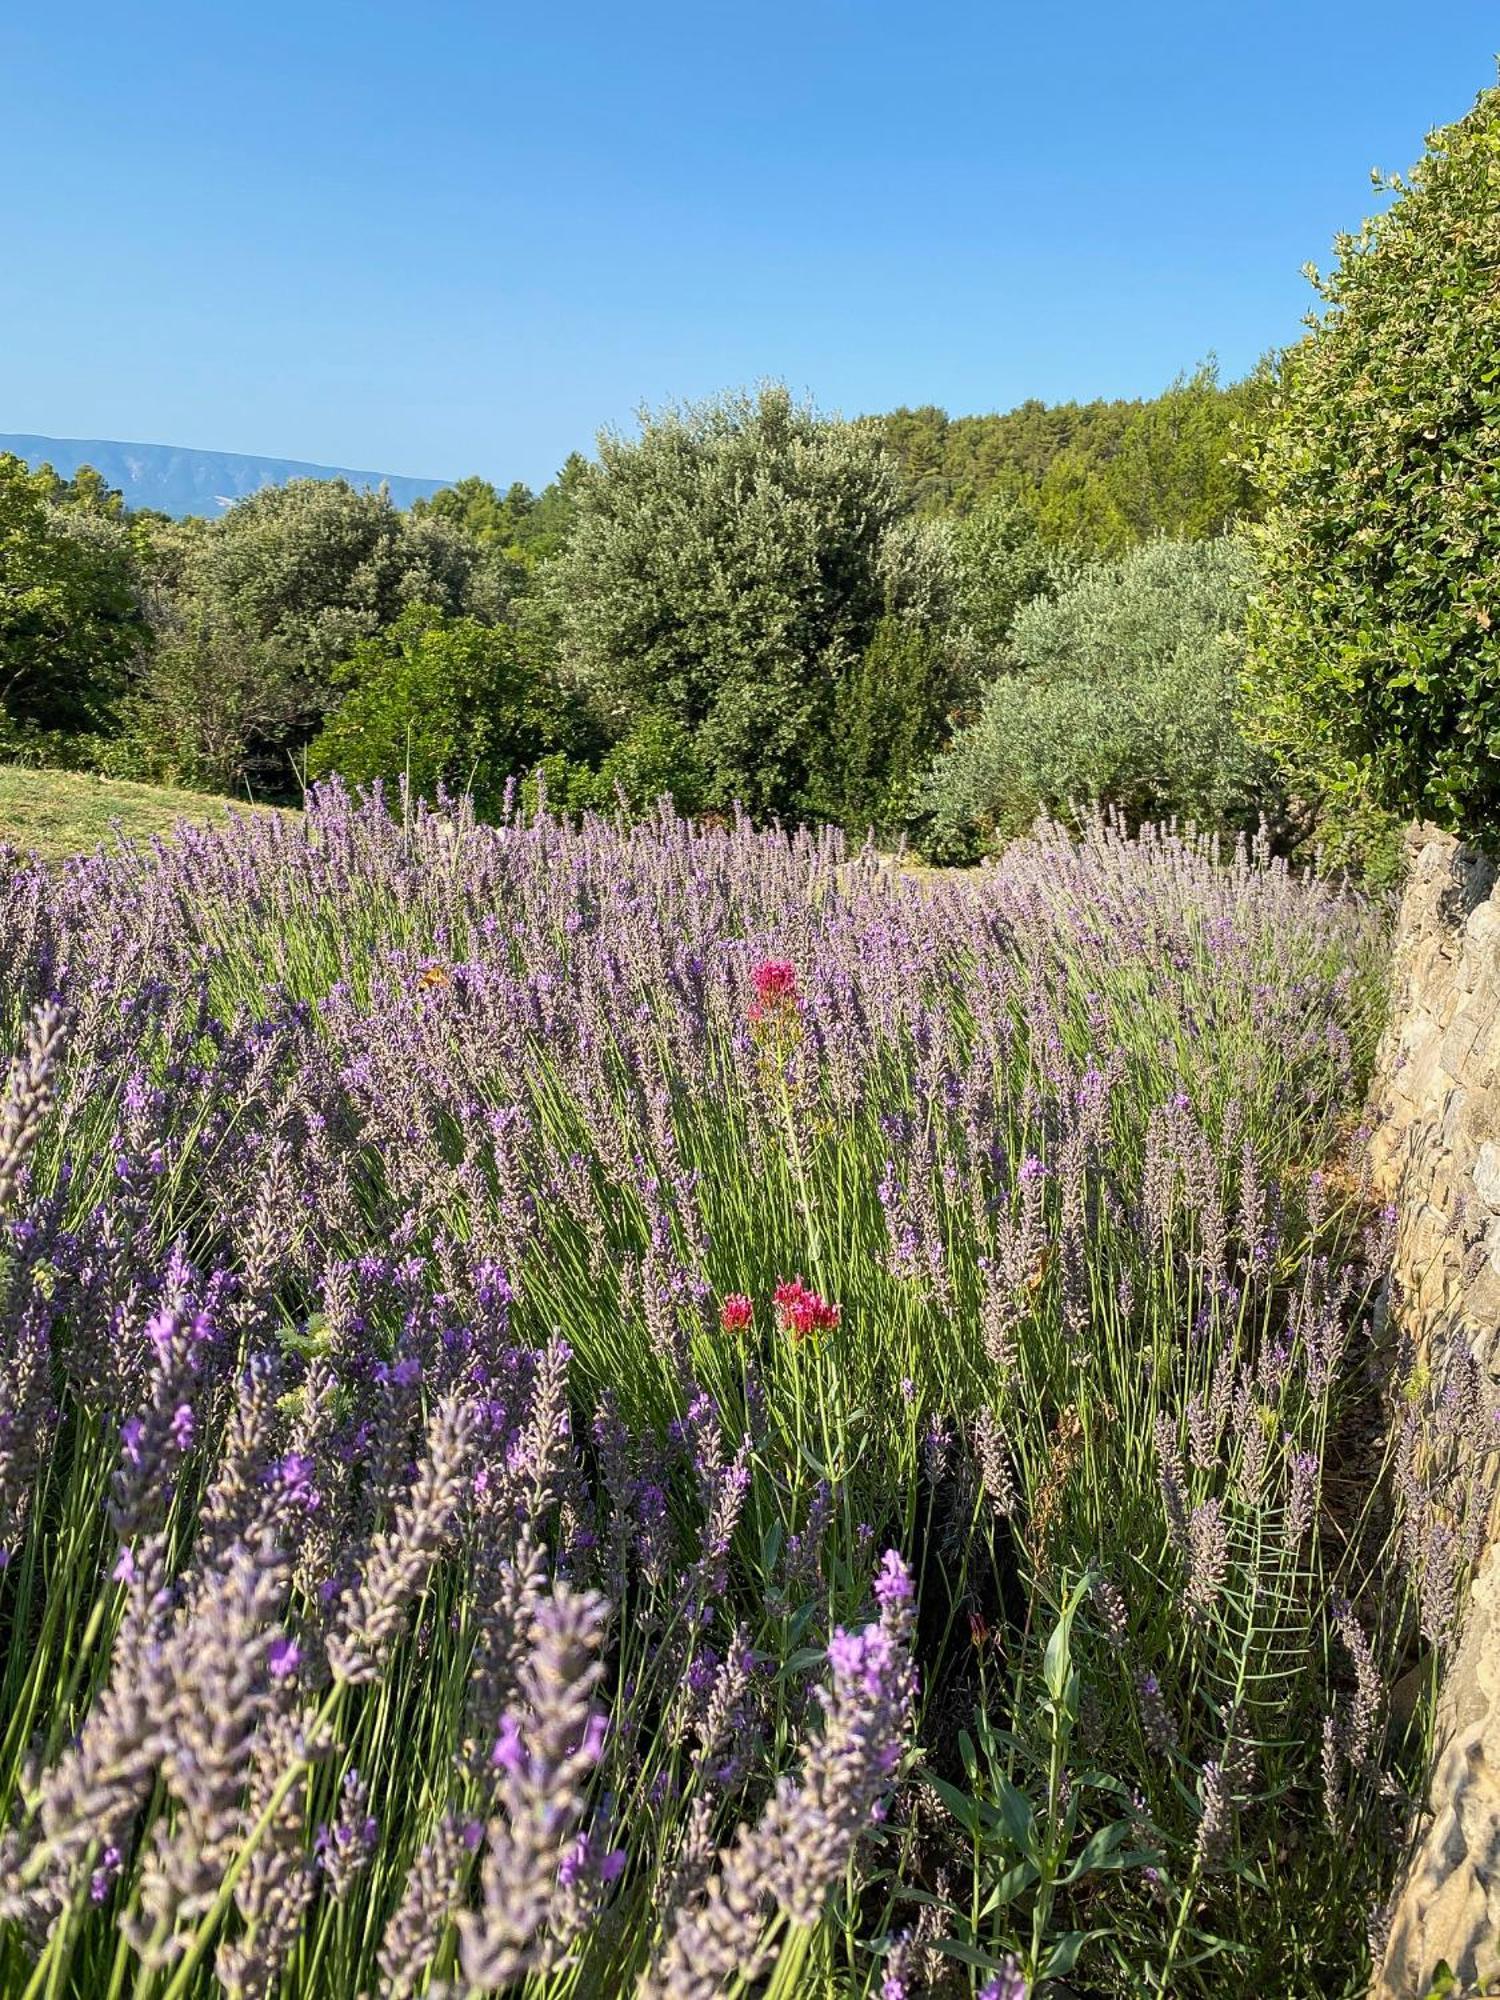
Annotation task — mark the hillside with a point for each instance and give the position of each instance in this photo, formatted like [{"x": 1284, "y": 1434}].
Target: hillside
[{"x": 178, "y": 480}]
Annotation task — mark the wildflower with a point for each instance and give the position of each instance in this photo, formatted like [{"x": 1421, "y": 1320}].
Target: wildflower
[
  {"x": 800, "y": 1311},
  {"x": 893, "y": 1584},
  {"x": 1155, "y": 1721},
  {"x": 1301, "y": 1498},
  {"x": 775, "y": 983},
  {"x": 28, "y": 1096},
  {"x": 104, "y": 1875},
  {"x": 283, "y": 1658},
  {"x": 736, "y": 1313},
  {"x": 1208, "y": 1556},
  {"x": 435, "y": 1886},
  {"x": 553, "y": 1745},
  {"x": 402, "y": 1558}
]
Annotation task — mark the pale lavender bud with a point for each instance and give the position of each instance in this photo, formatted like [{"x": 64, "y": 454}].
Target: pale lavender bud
[{"x": 28, "y": 1095}]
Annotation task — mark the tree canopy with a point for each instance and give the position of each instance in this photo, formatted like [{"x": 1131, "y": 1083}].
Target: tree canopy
[
  {"x": 71, "y": 619},
  {"x": 724, "y": 571},
  {"x": 1376, "y": 638}
]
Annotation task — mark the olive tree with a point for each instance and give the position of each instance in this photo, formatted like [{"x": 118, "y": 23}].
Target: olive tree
[
  {"x": 725, "y": 572},
  {"x": 1123, "y": 690}
]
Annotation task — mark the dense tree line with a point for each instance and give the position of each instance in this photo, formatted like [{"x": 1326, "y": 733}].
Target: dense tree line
[
  {"x": 745, "y": 602},
  {"x": 1271, "y": 602}
]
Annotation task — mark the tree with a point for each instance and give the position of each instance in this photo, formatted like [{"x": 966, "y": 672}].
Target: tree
[
  {"x": 255, "y": 611},
  {"x": 1176, "y": 469},
  {"x": 1375, "y": 658},
  {"x": 1002, "y": 563},
  {"x": 527, "y": 526},
  {"x": 446, "y": 702},
  {"x": 892, "y": 710},
  {"x": 1122, "y": 690},
  {"x": 71, "y": 617},
  {"x": 1094, "y": 477},
  {"x": 724, "y": 572},
  {"x": 315, "y": 565}
]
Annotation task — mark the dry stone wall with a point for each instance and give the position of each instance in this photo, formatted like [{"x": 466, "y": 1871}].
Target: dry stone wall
[{"x": 1436, "y": 1151}]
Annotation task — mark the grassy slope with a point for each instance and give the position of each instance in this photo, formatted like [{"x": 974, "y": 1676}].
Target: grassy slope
[{"x": 57, "y": 813}]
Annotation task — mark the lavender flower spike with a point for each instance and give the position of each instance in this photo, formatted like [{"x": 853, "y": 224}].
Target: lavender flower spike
[
  {"x": 545, "y": 1754},
  {"x": 372, "y": 1613},
  {"x": 792, "y": 1857},
  {"x": 28, "y": 1094}
]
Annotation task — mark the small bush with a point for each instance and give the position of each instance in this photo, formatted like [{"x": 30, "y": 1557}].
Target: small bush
[
  {"x": 888, "y": 722},
  {"x": 657, "y": 760}
]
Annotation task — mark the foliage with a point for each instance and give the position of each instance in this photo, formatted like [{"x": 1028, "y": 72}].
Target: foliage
[
  {"x": 656, "y": 761},
  {"x": 216, "y": 708},
  {"x": 1002, "y": 563},
  {"x": 528, "y": 526},
  {"x": 443, "y": 1533},
  {"x": 71, "y": 620},
  {"x": 447, "y": 704},
  {"x": 311, "y": 567},
  {"x": 1122, "y": 690},
  {"x": 1094, "y": 477},
  {"x": 953, "y": 463},
  {"x": 255, "y": 612},
  {"x": 1176, "y": 471},
  {"x": 724, "y": 572},
  {"x": 891, "y": 713},
  {"x": 1376, "y": 643}
]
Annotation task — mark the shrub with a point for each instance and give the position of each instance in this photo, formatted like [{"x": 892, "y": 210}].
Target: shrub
[
  {"x": 1375, "y": 655},
  {"x": 657, "y": 760},
  {"x": 888, "y": 723},
  {"x": 1121, "y": 690},
  {"x": 1002, "y": 564},
  {"x": 448, "y": 704}
]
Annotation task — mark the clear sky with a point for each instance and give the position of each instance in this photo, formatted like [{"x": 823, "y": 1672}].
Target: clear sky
[{"x": 431, "y": 237}]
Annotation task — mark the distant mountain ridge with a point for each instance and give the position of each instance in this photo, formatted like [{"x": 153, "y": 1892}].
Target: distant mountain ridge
[{"x": 177, "y": 480}]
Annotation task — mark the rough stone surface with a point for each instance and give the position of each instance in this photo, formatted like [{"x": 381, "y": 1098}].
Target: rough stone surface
[{"x": 1436, "y": 1149}]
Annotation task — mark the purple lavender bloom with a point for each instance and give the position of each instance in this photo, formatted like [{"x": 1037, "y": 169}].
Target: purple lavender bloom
[{"x": 1008, "y": 1984}]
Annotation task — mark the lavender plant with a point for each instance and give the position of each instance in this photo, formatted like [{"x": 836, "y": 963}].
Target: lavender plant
[{"x": 559, "y": 1383}]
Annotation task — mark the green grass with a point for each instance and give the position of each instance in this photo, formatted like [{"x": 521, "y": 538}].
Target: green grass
[{"x": 58, "y": 813}]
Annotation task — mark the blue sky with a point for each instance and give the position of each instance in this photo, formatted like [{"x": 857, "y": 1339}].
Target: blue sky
[{"x": 437, "y": 238}]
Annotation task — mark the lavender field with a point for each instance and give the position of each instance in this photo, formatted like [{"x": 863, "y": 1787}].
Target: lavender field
[{"x": 593, "y": 1410}]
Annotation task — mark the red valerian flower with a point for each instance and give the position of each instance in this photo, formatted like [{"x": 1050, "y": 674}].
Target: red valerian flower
[
  {"x": 736, "y": 1313},
  {"x": 776, "y": 995},
  {"x": 774, "y": 979},
  {"x": 801, "y": 1312}
]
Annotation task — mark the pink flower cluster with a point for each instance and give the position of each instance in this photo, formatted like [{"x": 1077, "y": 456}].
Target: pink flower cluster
[
  {"x": 777, "y": 997},
  {"x": 736, "y": 1313},
  {"x": 800, "y": 1312}
]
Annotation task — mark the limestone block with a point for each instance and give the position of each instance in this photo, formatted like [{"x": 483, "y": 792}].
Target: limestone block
[
  {"x": 1449, "y": 1908},
  {"x": 1482, "y": 940}
]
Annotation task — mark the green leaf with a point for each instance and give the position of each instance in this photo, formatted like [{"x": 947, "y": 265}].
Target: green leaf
[{"x": 1063, "y": 1956}]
